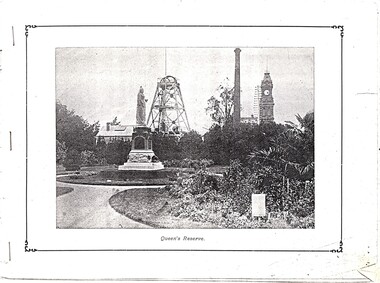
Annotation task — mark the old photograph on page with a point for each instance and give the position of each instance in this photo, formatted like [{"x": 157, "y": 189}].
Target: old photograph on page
[
  {"x": 228, "y": 149},
  {"x": 128, "y": 157}
]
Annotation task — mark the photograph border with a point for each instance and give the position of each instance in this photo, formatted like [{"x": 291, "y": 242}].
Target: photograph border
[{"x": 339, "y": 249}]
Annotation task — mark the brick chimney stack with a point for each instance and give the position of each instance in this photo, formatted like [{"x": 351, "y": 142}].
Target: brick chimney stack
[{"x": 236, "y": 116}]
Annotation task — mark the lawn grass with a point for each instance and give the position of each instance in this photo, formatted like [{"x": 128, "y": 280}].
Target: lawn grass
[
  {"x": 150, "y": 206},
  {"x": 60, "y": 170},
  {"x": 63, "y": 190},
  {"x": 123, "y": 178},
  {"x": 96, "y": 180},
  {"x": 137, "y": 174}
]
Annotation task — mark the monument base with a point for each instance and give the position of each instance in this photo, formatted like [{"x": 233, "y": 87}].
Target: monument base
[
  {"x": 142, "y": 160},
  {"x": 141, "y": 166}
]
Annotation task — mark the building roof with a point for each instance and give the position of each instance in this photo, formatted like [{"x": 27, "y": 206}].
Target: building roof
[{"x": 116, "y": 131}]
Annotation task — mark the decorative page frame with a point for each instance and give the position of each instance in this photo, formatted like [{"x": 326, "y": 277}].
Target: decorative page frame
[{"x": 31, "y": 247}]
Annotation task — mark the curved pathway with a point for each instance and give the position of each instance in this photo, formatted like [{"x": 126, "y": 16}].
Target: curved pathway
[{"x": 87, "y": 207}]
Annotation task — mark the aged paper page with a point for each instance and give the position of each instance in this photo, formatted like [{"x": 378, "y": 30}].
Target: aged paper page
[{"x": 99, "y": 166}]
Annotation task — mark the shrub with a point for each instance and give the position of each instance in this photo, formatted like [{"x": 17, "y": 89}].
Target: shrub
[
  {"x": 226, "y": 201},
  {"x": 88, "y": 158},
  {"x": 117, "y": 152},
  {"x": 305, "y": 203},
  {"x": 72, "y": 160},
  {"x": 76, "y": 177},
  {"x": 303, "y": 222}
]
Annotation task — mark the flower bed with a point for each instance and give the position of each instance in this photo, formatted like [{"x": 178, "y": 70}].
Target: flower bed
[{"x": 226, "y": 201}]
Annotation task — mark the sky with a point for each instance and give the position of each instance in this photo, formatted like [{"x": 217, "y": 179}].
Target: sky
[{"x": 101, "y": 83}]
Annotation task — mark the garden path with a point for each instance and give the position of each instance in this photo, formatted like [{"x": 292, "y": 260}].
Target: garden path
[{"x": 87, "y": 207}]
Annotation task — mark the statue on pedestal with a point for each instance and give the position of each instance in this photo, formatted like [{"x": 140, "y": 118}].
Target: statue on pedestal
[
  {"x": 141, "y": 157},
  {"x": 141, "y": 108}
]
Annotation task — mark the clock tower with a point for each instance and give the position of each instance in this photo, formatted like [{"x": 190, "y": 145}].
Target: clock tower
[{"x": 266, "y": 102}]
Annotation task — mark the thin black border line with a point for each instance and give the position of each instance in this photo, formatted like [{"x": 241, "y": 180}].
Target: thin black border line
[
  {"x": 184, "y": 26},
  {"x": 26, "y": 133},
  {"x": 341, "y": 138},
  {"x": 178, "y": 250},
  {"x": 27, "y": 249}
]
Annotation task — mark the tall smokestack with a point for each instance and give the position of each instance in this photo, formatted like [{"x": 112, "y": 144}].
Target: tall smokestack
[{"x": 236, "y": 117}]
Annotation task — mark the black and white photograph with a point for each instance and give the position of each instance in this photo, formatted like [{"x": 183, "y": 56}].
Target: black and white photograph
[{"x": 185, "y": 137}]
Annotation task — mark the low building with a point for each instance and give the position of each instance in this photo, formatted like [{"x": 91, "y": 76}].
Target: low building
[
  {"x": 112, "y": 132},
  {"x": 249, "y": 120}
]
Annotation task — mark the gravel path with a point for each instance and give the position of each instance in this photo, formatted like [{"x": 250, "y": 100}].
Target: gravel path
[{"x": 87, "y": 207}]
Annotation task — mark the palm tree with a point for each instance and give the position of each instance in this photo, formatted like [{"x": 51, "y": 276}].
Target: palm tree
[
  {"x": 290, "y": 155},
  {"x": 292, "y": 151},
  {"x": 303, "y": 136}
]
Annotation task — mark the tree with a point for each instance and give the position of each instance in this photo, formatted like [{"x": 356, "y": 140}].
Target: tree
[
  {"x": 166, "y": 146},
  {"x": 191, "y": 145},
  {"x": 72, "y": 160},
  {"x": 101, "y": 151},
  {"x": 221, "y": 109},
  {"x": 117, "y": 152},
  {"x": 226, "y": 143},
  {"x": 61, "y": 152},
  {"x": 301, "y": 136},
  {"x": 72, "y": 130},
  {"x": 214, "y": 144},
  {"x": 292, "y": 150},
  {"x": 287, "y": 166}
]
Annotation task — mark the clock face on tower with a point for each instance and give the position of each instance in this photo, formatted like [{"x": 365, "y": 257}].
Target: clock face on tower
[{"x": 266, "y": 92}]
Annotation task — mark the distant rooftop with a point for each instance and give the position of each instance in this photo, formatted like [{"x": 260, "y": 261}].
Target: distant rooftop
[{"x": 115, "y": 131}]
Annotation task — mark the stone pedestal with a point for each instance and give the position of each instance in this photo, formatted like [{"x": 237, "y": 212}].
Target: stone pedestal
[
  {"x": 142, "y": 157},
  {"x": 142, "y": 160}
]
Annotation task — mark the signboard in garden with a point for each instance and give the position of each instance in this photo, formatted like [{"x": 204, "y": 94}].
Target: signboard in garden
[{"x": 258, "y": 205}]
